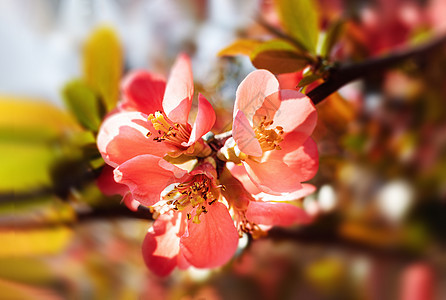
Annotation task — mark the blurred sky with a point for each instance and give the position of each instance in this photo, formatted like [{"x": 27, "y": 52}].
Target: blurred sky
[{"x": 42, "y": 39}]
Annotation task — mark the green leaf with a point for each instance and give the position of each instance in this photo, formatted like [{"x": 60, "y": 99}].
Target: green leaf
[
  {"x": 82, "y": 101},
  {"x": 300, "y": 19},
  {"x": 103, "y": 64},
  {"x": 333, "y": 34},
  {"x": 240, "y": 47},
  {"x": 308, "y": 79},
  {"x": 278, "y": 57}
]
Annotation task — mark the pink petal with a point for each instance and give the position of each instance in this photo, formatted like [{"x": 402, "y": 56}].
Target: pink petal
[
  {"x": 306, "y": 190},
  {"x": 122, "y": 136},
  {"x": 268, "y": 109},
  {"x": 296, "y": 113},
  {"x": 276, "y": 214},
  {"x": 207, "y": 169},
  {"x": 131, "y": 203},
  {"x": 302, "y": 160},
  {"x": 291, "y": 110},
  {"x": 212, "y": 242},
  {"x": 107, "y": 184},
  {"x": 289, "y": 80},
  {"x": 145, "y": 178},
  {"x": 418, "y": 282},
  {"x": 161, "y": 245},
  {"x": 204, "y": 121},
  {"x": 179, "y": 91},
  {"x": 183, "y": 264},
  {"x": 244, "y": 135},
  {"x": 239, "y": 172},
  {"x": 177, "y": 172},
  {"x": 253, "y": 90},
  {"x": 272, "y": 176},
  {"x": 143, "y": 92}
]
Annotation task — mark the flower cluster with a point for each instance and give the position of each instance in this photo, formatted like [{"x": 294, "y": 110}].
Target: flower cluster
[{"x": 204, "y": 198}]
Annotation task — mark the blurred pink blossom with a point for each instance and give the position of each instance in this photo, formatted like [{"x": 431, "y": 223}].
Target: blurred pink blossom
[{"x": 272, "y": 129}]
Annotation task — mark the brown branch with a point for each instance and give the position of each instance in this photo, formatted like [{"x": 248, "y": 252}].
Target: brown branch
[
  {"x": 143, "y": 213},
  {"x": 345, "y": 74},
  {"x": 342, "y": 75},
  {"x": 331, "y": 238},
  {"x": 114, "y": 212},
  {"x": 323, "y": 236}
]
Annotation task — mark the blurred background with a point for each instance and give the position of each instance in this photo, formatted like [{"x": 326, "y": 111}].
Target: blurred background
[{"x": 380, "y": 204}]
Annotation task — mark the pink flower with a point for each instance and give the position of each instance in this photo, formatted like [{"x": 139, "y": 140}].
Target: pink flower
[
  {"x": 387, "y": 25},
  {"x": 198, "y": 221},
  {"x": 153, "y": 117},
  {"x": 272, "y": 129},
  {"x": 267, "y": 209},
  {"x": 194, "y": 227},
  {"x": 291, "y": 80},
  {"x": 417, "y": 282},
  {"x": 108, "y": 186}
]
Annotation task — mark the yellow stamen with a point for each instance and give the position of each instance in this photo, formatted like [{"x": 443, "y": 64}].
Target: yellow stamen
[
  {"x": 166, "y": 130},
  {"x": 269, "y": 138},
  {"x": 197, "y": 193}
]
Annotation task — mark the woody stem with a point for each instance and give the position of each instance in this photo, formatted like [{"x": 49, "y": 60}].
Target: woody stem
[{"x": 342, "y": 75}]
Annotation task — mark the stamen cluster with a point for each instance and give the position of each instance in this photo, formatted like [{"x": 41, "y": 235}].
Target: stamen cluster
[
  {"x": 166, "y": 130},
  {"x": 196, "y": 193},
  {"x": 269, "y": 138}
]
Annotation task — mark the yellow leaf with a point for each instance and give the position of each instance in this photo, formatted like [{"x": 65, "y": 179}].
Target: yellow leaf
[
  {"x": 240, "y": 47},
  {"x": 32, "y": 242},
  {"x": 29, "y": 134},
  {"x": 26, "y": 114},
  {"x": 24, "y": 166},
  {"x": 28, "y": 270},
  {"x": 103, "y": 64},
  {"x": 18, "y": 291}
]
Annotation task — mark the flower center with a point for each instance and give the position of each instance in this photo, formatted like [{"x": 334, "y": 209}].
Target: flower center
[
  {"x": 197, "y": 193},
  {"x": 165, "y": 130},
  {"x": 268, "y": 137},
  {"x": 243, "y": 225}
]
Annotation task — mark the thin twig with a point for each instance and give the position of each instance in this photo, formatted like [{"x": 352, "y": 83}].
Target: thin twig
[
  {"x": 330, "y": 238},
  {"x": 345, "y": 74},
  {"x": 143, "y": 213}
]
